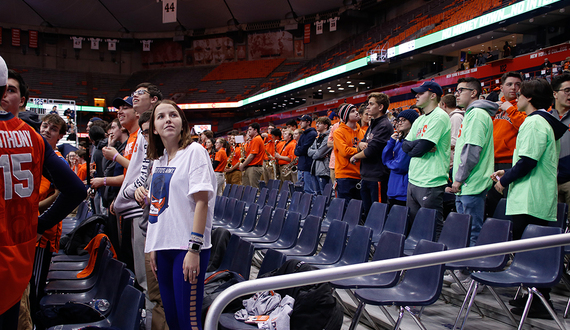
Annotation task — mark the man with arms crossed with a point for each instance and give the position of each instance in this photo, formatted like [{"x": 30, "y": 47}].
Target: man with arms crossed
[{"x": 428, "y": 144}]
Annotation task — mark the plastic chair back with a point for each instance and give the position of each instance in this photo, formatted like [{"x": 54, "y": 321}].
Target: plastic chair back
[
  {"x": 219, "y": 207},
  {"x": 308, "y": 240},
  {"x": 335, "y": 210},
  {"x": 423, "y": 227},
  {"x": 262, "y": 197},
  {"x": 239, "y": 192},
  {"x": 283, "y": 199},
  {"x": 289, "y": 231},
  {"x": 272, "y": 197},
  {"x": 273, "y": 259},
  {"x": 501, "y": 210},
  {"x": 358, "y": 247},
  {"x": 127, "y": 314},
  {"x": 375, "y": 219},
  {"x": 262, "y": 223},
  {"x": 561, "y": 216},
  {"x": 318, "y": 208},
  {"x": 228, "y": 211},
  {"x": 276, "y": 225},
  {"x": 456, "y": 231},
  {"x": 230, "y": 252},
  {"x": 262, "y": 184},
  {"x": 295, "y": 202},
  {"x": 250, "y": 197},
  {"x": 335, "y": 242},
  {"x": 286, "y": 186},
  {"x": 237, "y": 215},
  {"x": 250, "y": 218},
  {"x": 327, "y": 192},
  {"x": 274, "y": 184},
  {"x": 233, "y": 191},
  {"x": 241, "y": 263},
  {"x": 227, "y": 189},
  {"x": 427, "y": 281},
  {"x": 352, "y": 214},
  {"x": 493, "y": 231},
  {"x": 397, "y": 220},
  {"x": 305, "y": 205}
]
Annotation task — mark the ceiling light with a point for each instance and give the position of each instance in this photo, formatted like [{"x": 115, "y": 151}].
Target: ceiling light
[
  {"x": 340, "y": 89},
  {"x": 337, "y": 85},
  {"x": 329, "y": 87},
  {"x": 351, "y": 86},
  {"x": 331, "y": 91},
  {"x": 320, "y": 90},
  {"x": 362, "y": 83},
  {"x": 348, "y": 82}
]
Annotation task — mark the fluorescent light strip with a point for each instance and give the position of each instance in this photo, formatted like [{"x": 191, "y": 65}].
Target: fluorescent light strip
[{"x": 471, "y": 25}]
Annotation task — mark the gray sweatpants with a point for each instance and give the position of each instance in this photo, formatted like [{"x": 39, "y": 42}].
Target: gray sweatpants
[{"x": 431, "y": 198}]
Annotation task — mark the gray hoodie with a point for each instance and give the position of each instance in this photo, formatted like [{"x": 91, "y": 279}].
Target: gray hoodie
[{"x": 470, "y": 154}]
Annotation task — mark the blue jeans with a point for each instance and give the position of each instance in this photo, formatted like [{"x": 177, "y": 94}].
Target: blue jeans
[
  {"x": 310, "y": 183},
  {"x": 473, "y": 205},
  {"x": 321, "y": 183}
]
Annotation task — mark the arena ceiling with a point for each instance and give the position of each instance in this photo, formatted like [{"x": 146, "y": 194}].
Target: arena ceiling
[{"x": 140, "y": 16}]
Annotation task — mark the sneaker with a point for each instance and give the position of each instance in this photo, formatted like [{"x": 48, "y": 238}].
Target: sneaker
[
  {"x": 537, "y": 310},
  {"x": 455, "y": 287},
  {"x": 448, "y": 279}
]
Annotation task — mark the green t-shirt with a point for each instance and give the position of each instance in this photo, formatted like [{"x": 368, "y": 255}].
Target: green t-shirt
[
  {"x": 536, "y": 194},
  {"x": 432, "y": 169},
  {"x": 476, "y": 129}
]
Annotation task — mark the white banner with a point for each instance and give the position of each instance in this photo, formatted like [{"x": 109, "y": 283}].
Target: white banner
[
  {"x": 94, "y": 43},
  {"x": 169, "y": 8},
  {"x": 77, "y": 42},
  {"x": 332, "y": 23},
  {"x": 112, "y": 44},
  {"x": 319, "y": 25},
  {"x": 146, "y": 45}
]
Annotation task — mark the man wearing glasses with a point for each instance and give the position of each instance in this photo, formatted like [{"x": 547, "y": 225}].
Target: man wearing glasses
[
  {"x": 473, "y": 161},
  {"x": 144, "y": 98},
  {"x": 561, "y": 89}
]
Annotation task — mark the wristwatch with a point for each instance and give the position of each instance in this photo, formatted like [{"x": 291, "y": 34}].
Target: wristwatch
[{"x": 194, "y": 247}]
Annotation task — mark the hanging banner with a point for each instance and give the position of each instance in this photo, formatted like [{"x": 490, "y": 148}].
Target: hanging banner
[
  {"x": 33, "y": 38},
  {"x": 169, "y": 8},
  {"x": 112, "y": 44},
  {"x": 95, "y": 43},
  {"x": 16, "y": 37},
  {"x": 146, "y": 45},
  {"x": 319, "y": 25},
  {"x": 307, "y": 35},
  {"x": 77, "y": 42},
  {"x": 332, "y": 23}
]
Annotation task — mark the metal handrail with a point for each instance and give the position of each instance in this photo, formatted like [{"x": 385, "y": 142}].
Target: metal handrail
[{"x": 376, "y": 267}]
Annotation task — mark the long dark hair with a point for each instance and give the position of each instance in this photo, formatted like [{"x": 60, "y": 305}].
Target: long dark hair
[{"x": 155, "y": 148}]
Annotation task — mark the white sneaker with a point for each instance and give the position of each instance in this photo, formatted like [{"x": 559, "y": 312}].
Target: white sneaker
[
  {"x": 448, "y": 279},
  {"x": 466, "y": 284}
]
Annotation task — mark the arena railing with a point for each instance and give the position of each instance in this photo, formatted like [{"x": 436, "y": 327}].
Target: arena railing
[{"x": 376, "y": 267}]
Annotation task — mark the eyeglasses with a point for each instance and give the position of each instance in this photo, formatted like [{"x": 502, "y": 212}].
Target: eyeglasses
[
  {"x": 401, "y": 120},
  {"x": 461, "y": 89},
  {"x": 565, "y": 90},
  {"x": 139, "y": 92},
  {"x": 144, "y": 132}
]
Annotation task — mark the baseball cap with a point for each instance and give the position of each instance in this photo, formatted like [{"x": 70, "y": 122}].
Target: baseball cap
[
  {"x": 126, "y": 101},
  {"x": 306, "y": 118},
  {"x": 3, "y": 72},
  {"x": 431, "y": 86}
]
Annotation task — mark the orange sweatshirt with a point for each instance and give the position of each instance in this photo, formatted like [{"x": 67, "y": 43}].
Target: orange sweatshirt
[
  {"x": 345, "y": 146},
  {"x": 506, "y": 126}
]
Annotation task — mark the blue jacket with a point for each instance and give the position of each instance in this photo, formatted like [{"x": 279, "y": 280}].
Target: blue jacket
[
  {"x": 398, "y": 162},
  {"x": 301, "y": 150}
]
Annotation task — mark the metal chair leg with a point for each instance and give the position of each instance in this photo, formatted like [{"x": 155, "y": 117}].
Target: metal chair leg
[
  {"x": 467, "y": 296},
  {"x": 526, "y": 309},
  {"x": 364, "y": 312},
  {"x": 471, "y": 301},
  {"x": 503, "y": 306},
  {"x": 356, "y": 318},
  {"x": 414, "y": 316},
  {"x": 547, "y": 305},
  {"x": 400, "y": 316}
]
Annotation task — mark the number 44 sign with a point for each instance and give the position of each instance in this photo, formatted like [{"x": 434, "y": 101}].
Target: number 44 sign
[{"x": 169, "y": 8}]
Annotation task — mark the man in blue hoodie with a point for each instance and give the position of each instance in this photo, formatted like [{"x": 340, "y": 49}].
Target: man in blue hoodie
[
  {"x": 301, "y": 150},
  {"x": 473, "y": 161},
  {"x": 372, "y": 170}
]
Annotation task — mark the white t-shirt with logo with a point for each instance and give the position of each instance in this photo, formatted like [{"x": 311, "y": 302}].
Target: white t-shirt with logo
[{"x": 172, "y": 206}]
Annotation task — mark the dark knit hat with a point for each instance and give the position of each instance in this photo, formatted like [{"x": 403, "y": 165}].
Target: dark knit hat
[
  {"x": 410, "y": 115},
  {"x": 344, "y": 110}
]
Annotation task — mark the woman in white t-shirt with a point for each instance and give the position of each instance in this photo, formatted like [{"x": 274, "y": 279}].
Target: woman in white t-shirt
[{"x": 182, "y": 196}]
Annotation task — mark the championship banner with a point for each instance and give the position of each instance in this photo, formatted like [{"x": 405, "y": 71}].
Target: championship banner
[
  {"x": 307, "y": 36},
  {"x": 16, "y": 37},
  {"x": 33, "y": 38}
]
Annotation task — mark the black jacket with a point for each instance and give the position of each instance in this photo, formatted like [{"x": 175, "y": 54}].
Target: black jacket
[
  {"x": 301, "y": 150},
  {"x": 377, "y": 136}
]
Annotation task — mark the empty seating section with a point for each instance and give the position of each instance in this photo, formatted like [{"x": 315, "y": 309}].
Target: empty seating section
[{"x": 243, "y": 70}]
